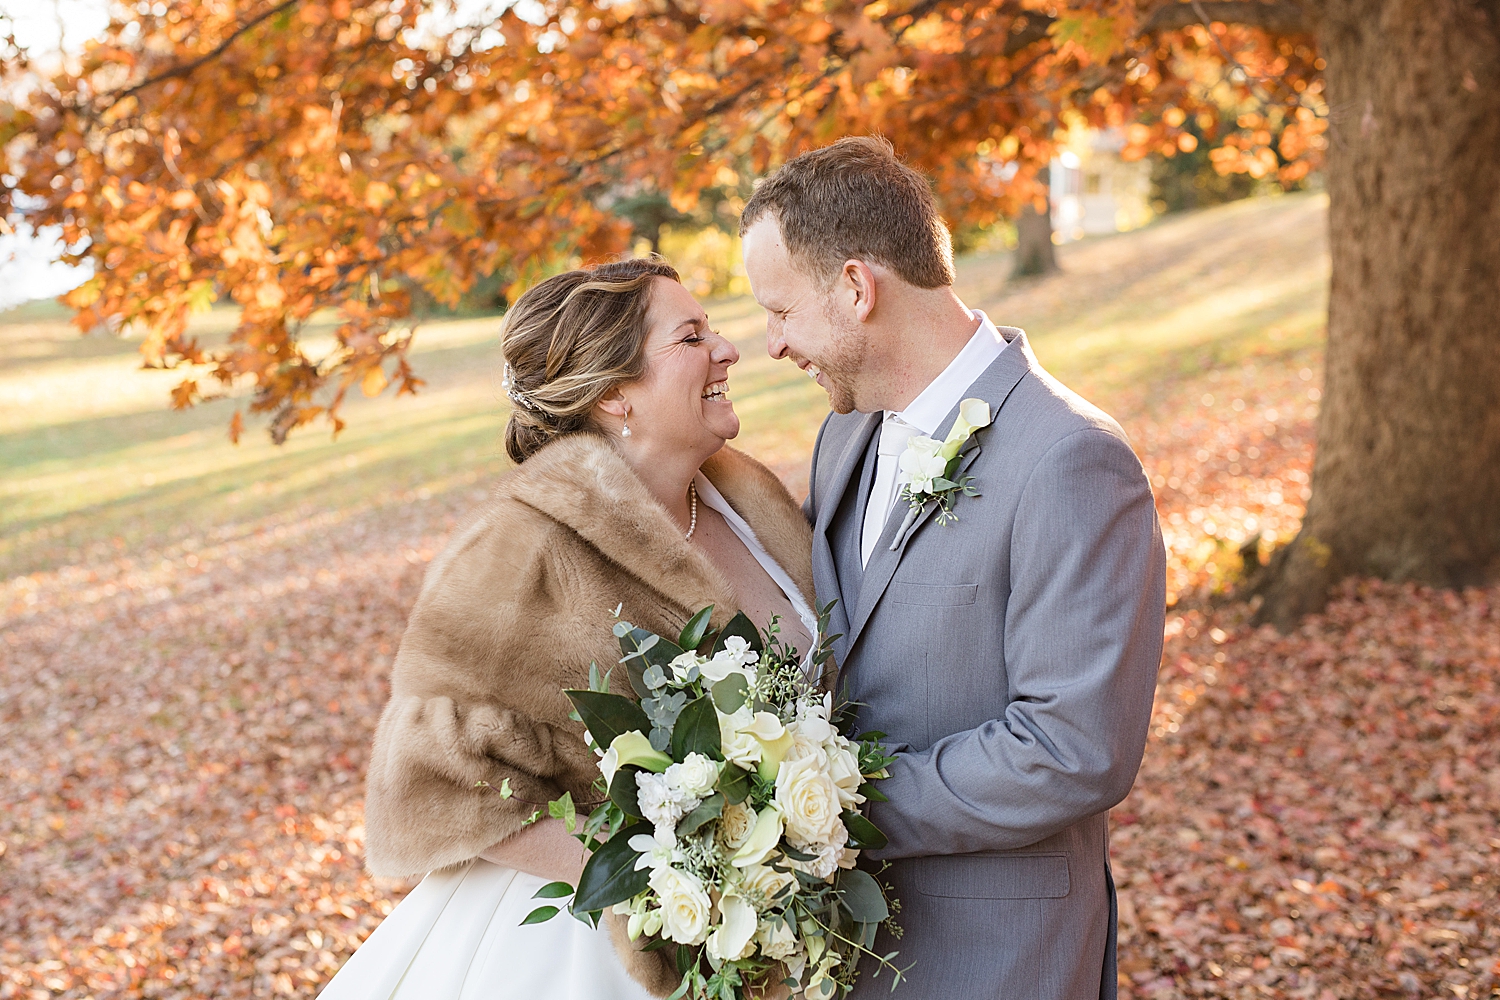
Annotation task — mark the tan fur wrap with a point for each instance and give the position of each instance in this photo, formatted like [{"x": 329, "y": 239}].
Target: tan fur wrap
[{"x": 512, "y": 612}]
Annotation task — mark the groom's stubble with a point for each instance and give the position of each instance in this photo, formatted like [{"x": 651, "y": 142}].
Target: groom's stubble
[{"x": 848, "y": 351}]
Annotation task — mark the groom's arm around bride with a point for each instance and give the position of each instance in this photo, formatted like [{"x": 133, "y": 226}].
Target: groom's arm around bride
[{"x": 1011, "y": 653}]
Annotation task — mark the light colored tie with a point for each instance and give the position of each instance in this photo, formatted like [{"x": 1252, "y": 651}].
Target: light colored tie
[{"x": 894, "y": 433}]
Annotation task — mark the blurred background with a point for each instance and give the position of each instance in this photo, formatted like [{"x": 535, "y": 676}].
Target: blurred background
[{"x": 253, "y": 261}]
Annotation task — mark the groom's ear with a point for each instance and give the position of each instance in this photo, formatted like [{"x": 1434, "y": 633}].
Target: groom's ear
[{"x": 859, "y": 287}]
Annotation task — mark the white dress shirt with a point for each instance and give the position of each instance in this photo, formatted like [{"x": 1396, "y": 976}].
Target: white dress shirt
[{"x": 923, "y": 416}]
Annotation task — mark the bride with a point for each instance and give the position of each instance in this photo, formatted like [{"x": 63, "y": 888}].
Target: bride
[{"x": 623, "y": 495}]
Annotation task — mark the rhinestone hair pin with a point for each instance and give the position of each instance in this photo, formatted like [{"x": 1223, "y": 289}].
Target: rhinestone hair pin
[{"x": 516, "y": 395}]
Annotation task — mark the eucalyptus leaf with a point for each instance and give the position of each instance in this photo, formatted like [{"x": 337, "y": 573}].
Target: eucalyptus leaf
[
  {"x": 743, "y": 627},
  {"x": 607, "y": 715},
  {"x": 553, "y": 890},
  {"x": 610, "y": 877},
  {"x": 660, "y": 739},
  {"x": 730, "y": 693},
  {"x": 734, "y": 782},
  {"x": 696, "y": 628},
  {"x": 708, "y": 810},
  {"x": 861, "y": 896},
  {"x": 697, "y": 731},
  {"x": 862, "y": 833}
]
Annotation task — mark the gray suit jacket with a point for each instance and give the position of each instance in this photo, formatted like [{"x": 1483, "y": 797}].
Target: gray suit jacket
[{"x": 1012, "y": 657}]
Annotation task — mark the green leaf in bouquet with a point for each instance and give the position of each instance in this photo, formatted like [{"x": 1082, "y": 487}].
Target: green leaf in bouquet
[
  {"x": 861, "y": 896},
  {"x": 734, "y": 782},
  {"x": 541, "y": 915},
  {"x": 607, "y": 715},
  {"x": 730, "y": 693},
  {"x": 696, "y": 628},
  {"x": 553, "y": 890},
  {"x": 743, "y": 627},
  {"x": 597, "y": 681},
  {"x": 797, "y": 855},
  {"x": 871, "y": 793},
  {"x": 862, "y": 833},
  {"x": 661, "y": 738},
  {"x": 708, "y": 810},
  {"x": 564, "y": 810},
  {"x": 697, "y": 731},
  {"x": 610, "y": 877},
  {"x": 625, "y": 793}
]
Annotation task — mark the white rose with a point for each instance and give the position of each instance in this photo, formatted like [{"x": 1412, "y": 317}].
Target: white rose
[
  {"x": 808, "y": 801},
  {"x": 777, "y": 940},
  {"x": 696, "y": 775},
  {"x": 685, "y": 907},
  {"x": 735, "y": 826},
  {"x": 765, "y": 881},
  {"x": 827, "y": 859},
  {"x": 739, "y": 747},
  {"x": 921, "y": 463},
  {"x": 734, "y": 937},
  {"x": 805, "y": 746},
  {"x": 843, "y": 768}
]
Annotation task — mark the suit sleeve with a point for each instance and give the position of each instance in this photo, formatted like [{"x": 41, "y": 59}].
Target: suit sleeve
[{"x": 1083, "y": 641}]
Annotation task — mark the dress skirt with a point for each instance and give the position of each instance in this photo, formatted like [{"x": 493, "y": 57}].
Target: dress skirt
[{"x": 458, "y": 936}]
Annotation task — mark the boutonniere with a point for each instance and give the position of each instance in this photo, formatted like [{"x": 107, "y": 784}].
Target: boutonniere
[{"x": 928, "y": 467}]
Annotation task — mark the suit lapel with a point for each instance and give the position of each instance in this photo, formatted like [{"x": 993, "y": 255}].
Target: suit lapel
[
  {"x": 825, "y": 560},
  {"x": 994, "y": 387}
]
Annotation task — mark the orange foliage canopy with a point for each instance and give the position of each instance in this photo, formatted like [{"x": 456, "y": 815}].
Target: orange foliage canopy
[{"x": 297, "y": 155}]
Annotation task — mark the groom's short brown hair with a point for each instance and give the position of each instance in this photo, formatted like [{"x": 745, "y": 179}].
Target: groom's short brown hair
[{"x": 854, "y": 200}]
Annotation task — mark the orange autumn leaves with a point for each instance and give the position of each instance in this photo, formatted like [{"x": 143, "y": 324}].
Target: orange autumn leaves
[{"x": 361, "y": 156}]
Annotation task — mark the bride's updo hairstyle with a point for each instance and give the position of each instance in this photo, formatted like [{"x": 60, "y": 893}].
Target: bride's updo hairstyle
[{"x": 568, "y": 341}]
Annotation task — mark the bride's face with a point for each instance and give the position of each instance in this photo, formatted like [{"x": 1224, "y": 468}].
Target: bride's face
[{"x": 682, "y": 402}]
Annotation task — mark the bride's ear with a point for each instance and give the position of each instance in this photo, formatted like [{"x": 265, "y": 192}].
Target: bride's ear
[{"x": 614, "y": 404}]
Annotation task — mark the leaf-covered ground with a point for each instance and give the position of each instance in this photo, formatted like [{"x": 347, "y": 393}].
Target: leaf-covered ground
[{"x": 187, "y": 700}]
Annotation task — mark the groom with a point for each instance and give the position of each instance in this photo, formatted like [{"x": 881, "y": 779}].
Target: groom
[{"x": 1009, "y": 655}]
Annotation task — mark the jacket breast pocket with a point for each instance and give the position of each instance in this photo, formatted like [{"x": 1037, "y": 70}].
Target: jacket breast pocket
[
  {"x": 994, "y": 876},
  {"x": 933, "y": 595}
]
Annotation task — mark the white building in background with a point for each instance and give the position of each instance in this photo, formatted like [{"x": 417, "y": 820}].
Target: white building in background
[{"x": 1094, "y": 191}]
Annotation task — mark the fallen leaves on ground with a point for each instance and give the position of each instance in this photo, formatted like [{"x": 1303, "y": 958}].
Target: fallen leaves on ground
[{"x": 187, "y": 728}]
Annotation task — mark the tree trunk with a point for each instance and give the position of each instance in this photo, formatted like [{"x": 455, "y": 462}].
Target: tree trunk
[
  {"x": 1406, "y": 482},
  {"x": 1034, "y": 253}
]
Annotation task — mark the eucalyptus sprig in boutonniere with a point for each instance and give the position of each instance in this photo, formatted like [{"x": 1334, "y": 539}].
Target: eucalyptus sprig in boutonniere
[{"x": 928, "y": 467}]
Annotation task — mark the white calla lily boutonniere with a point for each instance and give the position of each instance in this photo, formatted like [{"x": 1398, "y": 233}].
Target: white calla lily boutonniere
[{"x": 928, "y": 468}]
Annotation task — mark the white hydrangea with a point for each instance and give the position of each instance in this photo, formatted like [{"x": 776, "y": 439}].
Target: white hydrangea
[{"x": 663, "y": 803}]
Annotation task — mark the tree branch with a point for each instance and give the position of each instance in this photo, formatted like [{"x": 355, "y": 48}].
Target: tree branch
[
  {"x": 185, "y": 68},
  {"x": 1281, "y": 17}
]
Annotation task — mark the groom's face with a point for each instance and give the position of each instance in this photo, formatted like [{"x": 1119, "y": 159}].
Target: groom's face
[{"x": 806, "y": 318}]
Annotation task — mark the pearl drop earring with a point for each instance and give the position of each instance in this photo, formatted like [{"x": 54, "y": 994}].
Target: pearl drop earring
[{"x": 625, "y": 423}]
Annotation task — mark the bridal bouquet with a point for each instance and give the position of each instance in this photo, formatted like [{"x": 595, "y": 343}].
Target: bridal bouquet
[{"x": 729, "y": 821}]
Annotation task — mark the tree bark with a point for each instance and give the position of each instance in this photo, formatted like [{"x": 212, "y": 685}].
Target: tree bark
[
  {"x": 1406, "y": 481},
  {"x": 1034, "y": 249}
]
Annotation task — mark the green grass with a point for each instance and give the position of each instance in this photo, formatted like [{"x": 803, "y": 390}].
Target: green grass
[{"x": 95, "y": 463}]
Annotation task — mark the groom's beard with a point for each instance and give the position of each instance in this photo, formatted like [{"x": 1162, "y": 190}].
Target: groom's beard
[{"x": 843, "y": 362}]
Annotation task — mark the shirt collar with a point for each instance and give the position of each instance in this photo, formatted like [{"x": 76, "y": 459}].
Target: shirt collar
[{"x": 946, "y": 391}]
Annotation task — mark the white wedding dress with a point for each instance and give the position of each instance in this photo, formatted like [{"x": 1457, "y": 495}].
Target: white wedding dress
[{"x": 458, "y": 934}]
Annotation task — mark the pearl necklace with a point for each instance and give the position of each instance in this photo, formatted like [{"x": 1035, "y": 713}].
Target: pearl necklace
[{"x": 693, "y": 521}]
